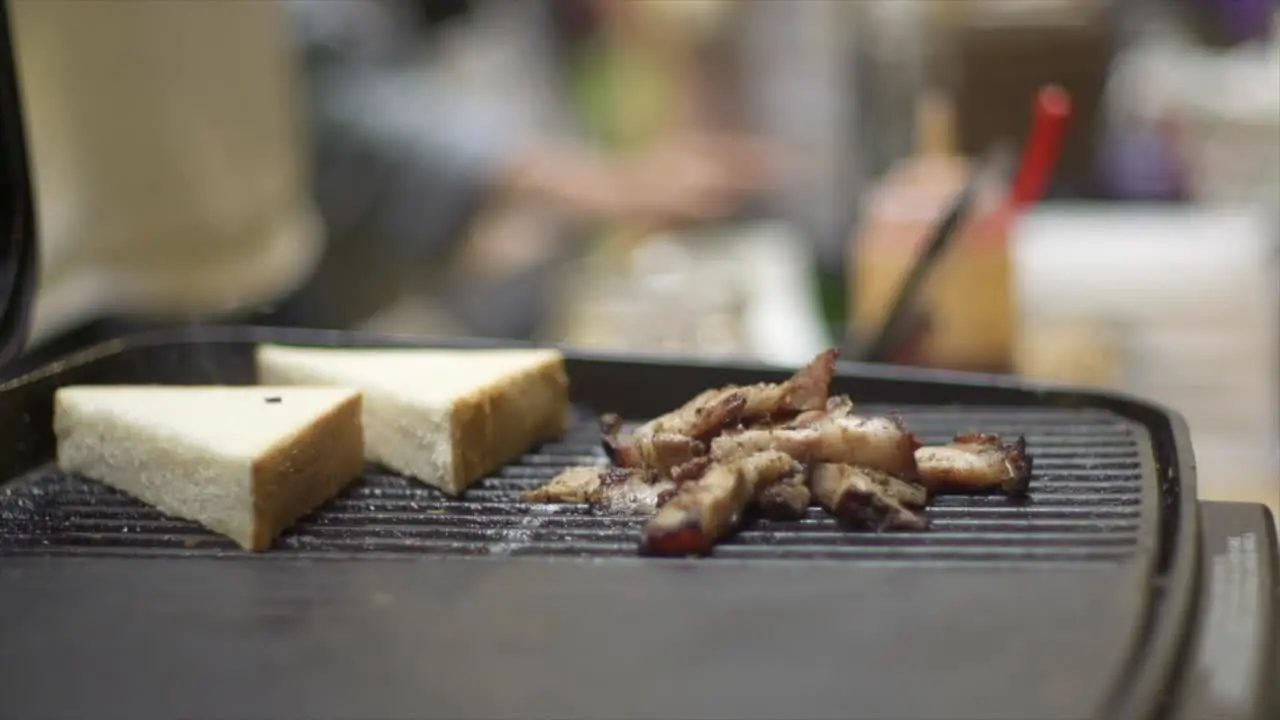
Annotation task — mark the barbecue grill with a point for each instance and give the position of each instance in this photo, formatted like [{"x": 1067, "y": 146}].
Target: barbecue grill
[{"x": 1108, "y": 593}]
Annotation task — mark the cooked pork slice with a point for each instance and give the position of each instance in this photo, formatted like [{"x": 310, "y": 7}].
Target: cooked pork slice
[
  {"x": 632, "y": 491},
  {"x": 679, "y": 436},
  {"x": 574, "y": 485},
  {"x": 882, "y": 443},
  {"x": 692, "y": 470},
  {"x": 837, "y": 406},
  {"x": 909, "y": 494},
  {"x": 634, "y": 495},
  {"x": 787, "y": 499},
  {"x": 661, "y": 452},
  {"x": 976, "y": 463},
  {"x": 703, "y": 417},
  {"x": 713, "y": 410},
  {"x": 804, "y": 391},
  {"x": 709, "y": 509},
  {"x": 840, "y": 406},
  {"x": 864, "y": 498}
]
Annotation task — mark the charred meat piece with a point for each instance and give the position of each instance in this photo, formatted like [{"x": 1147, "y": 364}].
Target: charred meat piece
[
  {"x": 774, "y": 448},
  {"x": 806, "y": 390},
  {"x": 692, "y": 470},
  {"x": 707, "y": 510},
  {"x": 909, "y": 494},
  {"x": 976, "y": 463},
  {"x": 786, "y": 499},
  {"x": 865, "y": 498},
  {"x": 711, "y": 411},
  {"x": 664, "y": 450},
  {"x": 677, "y": 437},
  {"x": 622, "y": 490},
  {"x": 840, "y": 406},
  {"x": 837, "y": 406},
  {"x": 633, "y": 496},
  {"x": 661, "y": 452},
  {"x": 576, "y": 484},
  {"x": 702, "y": 417},
  {"x": 882, "y": 443}
]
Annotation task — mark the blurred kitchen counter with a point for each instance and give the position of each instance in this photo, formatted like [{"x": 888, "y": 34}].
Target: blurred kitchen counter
[
  {"x": 738, "y": 291},
  {"x": 1177, "y": 304}
]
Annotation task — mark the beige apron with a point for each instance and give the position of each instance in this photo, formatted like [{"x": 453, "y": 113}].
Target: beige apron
[{"x": 167, "y": 158}]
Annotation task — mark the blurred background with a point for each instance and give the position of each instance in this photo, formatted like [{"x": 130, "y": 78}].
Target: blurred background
[{"x": 710, "y": 177}]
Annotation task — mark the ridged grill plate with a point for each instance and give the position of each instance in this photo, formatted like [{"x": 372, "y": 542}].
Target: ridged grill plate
[{"x": 1086, "y": 503}]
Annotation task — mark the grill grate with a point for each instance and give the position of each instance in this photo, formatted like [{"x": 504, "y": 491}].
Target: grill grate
[{"x": 1086, "y": 504}]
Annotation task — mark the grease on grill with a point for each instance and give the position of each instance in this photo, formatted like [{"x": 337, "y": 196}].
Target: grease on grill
[{"x": 1085, "y": 503}]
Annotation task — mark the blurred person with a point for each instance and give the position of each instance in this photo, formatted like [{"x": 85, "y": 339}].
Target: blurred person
[
  {"x": 404, "y": 161},
  {"x": 784, "y": 70},
  {"x": 774, "y": 56},
  {"x": 172, "y": 179},
  {"x": 375, "y": 100}
]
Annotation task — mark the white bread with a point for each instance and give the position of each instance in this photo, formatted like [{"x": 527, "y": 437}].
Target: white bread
[
  {"x": 245, "y": 462},
  {"x": 445, "y": 417}
]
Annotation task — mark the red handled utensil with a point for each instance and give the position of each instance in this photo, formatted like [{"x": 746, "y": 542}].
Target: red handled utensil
[
  {"x": 1051, "y": 111},
  {"x": 903, "y": 328}
]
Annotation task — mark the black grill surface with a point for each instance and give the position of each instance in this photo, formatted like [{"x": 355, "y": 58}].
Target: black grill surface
[{"x": 1086, "y": 503}]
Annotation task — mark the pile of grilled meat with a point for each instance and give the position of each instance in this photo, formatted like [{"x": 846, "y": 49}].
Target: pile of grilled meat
[{"x": 775, "y": 448}]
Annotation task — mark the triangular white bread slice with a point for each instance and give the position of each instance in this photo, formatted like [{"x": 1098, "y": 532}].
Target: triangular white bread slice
[
  {"x": 445, "y": 417},
  {"x": 245, "y": 462}
]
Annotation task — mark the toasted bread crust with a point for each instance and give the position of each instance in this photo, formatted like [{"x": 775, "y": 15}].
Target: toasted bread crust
[
  {"x": 298, "y": 475},
  {"x": 495, "y": 425}
]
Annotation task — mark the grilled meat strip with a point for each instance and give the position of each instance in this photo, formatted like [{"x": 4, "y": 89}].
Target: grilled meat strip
[
  {"x": 784, "y": 500},
  {"x": 787, "y": 499},
  {"x": 707, "y": 510},
  {"x": 574, "y": 485},
  {"x": 806, "y": 390},
  {"x": 660, "y": 452},
  {"x": 679, "y": 436},
  {"x": 868, "y": 498},
  {"x": 633, "y": 496},
  {"x": 840, "y": 406},
  {"x": 712, "y": 410},
  {"x": 837, "y": 406},
  {"x": 622, "y": 490},
  {"x": 692, "y": 470},
  {"x": 701, "y": 418},
  {"x": 975, "y": 463},
  {"x": 882, "y": 443}
]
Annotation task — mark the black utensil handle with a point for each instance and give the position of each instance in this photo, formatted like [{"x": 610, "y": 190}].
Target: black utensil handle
[
  {"x": 17, "y": 216},
  {"x": 897, "y": 325},
  {"x": 883, "y": 345}
]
